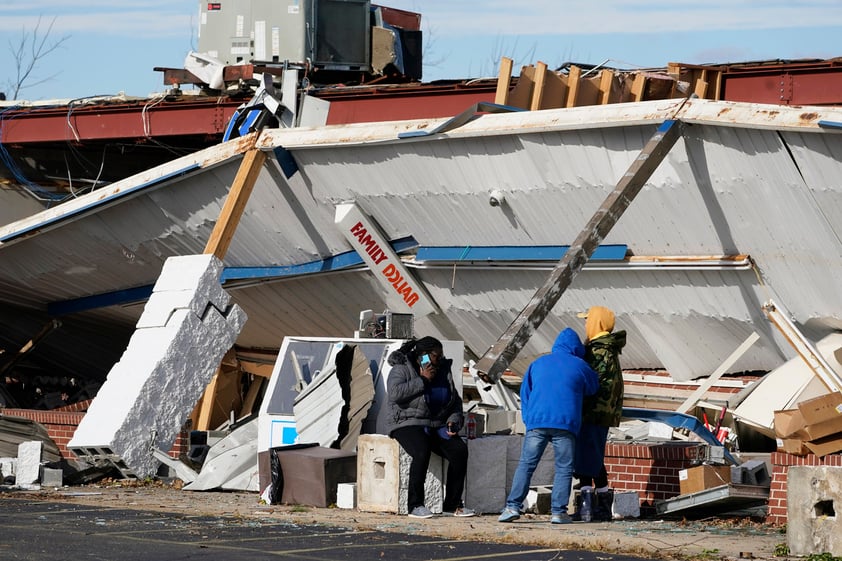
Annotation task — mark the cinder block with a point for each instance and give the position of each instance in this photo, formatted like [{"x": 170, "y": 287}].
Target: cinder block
[
  {"x": 756, "y": 472},
  {"x": 51, "y": 477},
  {"x": 813, "y": 525},
  {"x": 538, "y": 500},
  {"x": 489, "y": 477},
  {"x": 383, "y": 476},
  {"x": 346, "y": 495},
  {"x": 29, "y": 462},
  {"x": 7, "y": 468},
  {"x": 495, "y": 421},
  {"x": 626, "y": 504}
]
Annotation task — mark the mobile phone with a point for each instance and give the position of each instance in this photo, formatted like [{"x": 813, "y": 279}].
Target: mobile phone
[{"x": 425, "y": 360}]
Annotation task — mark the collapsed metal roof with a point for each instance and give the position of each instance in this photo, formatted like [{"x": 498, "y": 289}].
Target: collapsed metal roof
[{"x": 744, "y": 180}]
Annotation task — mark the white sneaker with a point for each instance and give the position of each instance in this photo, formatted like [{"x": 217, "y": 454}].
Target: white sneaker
[{"x": 421, "y": 512}]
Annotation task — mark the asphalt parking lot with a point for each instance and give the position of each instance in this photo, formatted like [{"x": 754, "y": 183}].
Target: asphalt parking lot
[{"x": 46, "y": 531}]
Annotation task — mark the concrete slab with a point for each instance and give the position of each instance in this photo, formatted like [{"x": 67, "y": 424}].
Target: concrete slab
[{"x": 814, "y": 525}]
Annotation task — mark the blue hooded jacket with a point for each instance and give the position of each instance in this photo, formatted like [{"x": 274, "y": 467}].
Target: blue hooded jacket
[{"x": 554, "y": 385}]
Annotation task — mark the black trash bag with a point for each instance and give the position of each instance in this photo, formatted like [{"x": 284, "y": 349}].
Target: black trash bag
[{"x": 277, "y": 489}]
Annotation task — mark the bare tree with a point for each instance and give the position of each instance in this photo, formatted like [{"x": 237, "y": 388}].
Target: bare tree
[{"x": 30, "y": 50}]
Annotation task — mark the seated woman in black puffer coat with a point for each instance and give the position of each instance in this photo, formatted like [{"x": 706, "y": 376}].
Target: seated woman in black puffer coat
[{"x": 425, "y": 416}]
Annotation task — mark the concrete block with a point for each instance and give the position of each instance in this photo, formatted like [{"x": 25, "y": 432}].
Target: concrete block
[
  {"x": 51, "y": 477},
  {"x": 813, "y": 524},
  {"x": 29, "y": 462},
  {"x": 756, "y": 472},
  {"x": 346, "y": 495},
  {"x": 626, "y": 504},
  {"x": 649, "y": 430},
  {"x": 162, "y": 374},
  {"x": 383, "y": 476},
  {"x": 489, "y": 477},
  {"x": 538, "y": 500},
  {"x": 7, "y": 468},
  {"x": 197, "y": 273},
  {"x": 161, "y": 305},
  {"x": 495, "y": 421}
]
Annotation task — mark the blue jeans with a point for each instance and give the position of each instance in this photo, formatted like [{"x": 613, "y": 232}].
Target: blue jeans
[{"x": 534, "y": 444}]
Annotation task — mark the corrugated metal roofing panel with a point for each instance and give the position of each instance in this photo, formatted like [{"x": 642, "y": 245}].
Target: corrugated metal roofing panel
[{"x": 770, "y": 192}]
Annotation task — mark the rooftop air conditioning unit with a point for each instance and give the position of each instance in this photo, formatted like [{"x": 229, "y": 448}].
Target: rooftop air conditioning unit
[
  {"x": 328, "y": 34},
  {"x": 388, "y": 325}
]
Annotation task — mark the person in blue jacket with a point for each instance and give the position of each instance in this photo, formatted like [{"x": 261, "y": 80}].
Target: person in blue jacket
[{"x": 551, "y": 395}]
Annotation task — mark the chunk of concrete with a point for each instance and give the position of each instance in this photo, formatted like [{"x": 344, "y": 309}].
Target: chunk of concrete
[
  {"x": 626, "y": 505},
  {"x": 51, "y": 477},
  {"x": 346, "y": 495},
  {"x": 538, "y": 500},
  {"x": 29, "y": 462},
  {"x": 383, "y": 476},
  {"x": 165, "y": 369},
  {"x": 7, "y": 468},
  {"x": 813, "y": 524}
]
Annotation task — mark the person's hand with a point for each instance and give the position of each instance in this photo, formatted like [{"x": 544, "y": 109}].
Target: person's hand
[
  {"x": 427, "y": 372},
  {"x": 452, "y": 430}
]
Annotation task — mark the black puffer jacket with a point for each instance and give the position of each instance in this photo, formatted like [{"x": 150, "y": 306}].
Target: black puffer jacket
[{"x": 407, "y": 395}]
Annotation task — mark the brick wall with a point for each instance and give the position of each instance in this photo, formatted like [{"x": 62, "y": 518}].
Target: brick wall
[
  {"x": 780, "y": 464},
  {"x": 61, "y": 424},
  {"x": 651, "y": 469}
]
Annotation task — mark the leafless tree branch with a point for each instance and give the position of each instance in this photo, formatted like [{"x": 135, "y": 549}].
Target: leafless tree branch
[{"x": 28, "y": 52}]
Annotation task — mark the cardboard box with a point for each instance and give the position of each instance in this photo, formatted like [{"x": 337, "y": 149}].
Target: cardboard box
[
  {"x": 825, "y": 446},
  {"x": 820, "y": 409},
  {"x": 788, "y": 422},
  {"x": 819, "y": 430},
  {"x": 699, "y": 478},
  {"x": 794, "y": 446},
  {"x": 814, "y": 419}
]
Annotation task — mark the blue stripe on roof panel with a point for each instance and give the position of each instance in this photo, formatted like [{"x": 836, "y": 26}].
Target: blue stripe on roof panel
[
  {"x": 515, "y": 253},
  {"x": 141, "y": 293},
  {"x": 344, "y": 261},
  {"x": 116, "y": 298}
]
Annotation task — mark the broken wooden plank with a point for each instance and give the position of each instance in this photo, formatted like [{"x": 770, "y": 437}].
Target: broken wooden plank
[
  {"x": 638, "y": 87},
  {"x": 504, "y": 79},
  {"x": 250, "y": 400},
  {"x": 573, "y": 83},
  {"x": 701, "y": 86},
  {"x": 221, "y": 397},
  {"x": 538, "y": 88},
  {"x": 235, "y": 203},
  {"x": 606, "y": 79}
]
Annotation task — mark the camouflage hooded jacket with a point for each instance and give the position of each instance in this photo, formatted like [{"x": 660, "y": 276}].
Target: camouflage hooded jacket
[{"x": 603, "y": 354}]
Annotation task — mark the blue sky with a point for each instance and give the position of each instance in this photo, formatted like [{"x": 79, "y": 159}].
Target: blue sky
[{"x": 112, "y": 46}]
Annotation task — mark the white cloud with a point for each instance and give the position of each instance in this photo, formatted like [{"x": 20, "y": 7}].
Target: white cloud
[
  {"x": 152, "y": 18},
  {"x": 580, "y": 17}
]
